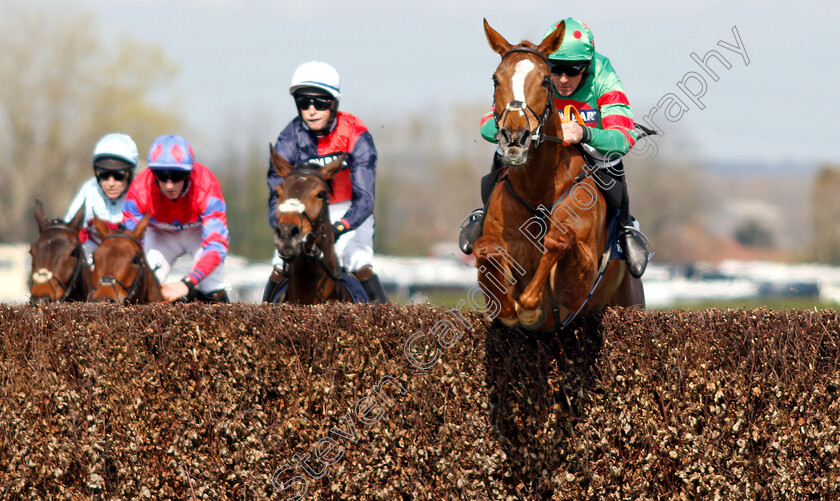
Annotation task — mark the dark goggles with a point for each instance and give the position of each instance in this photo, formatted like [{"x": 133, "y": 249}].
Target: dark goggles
[
  {"x": 568, "y": 69},
  {"x": 117, "y": 175},
  {"x": 174, "y": 175},
  {"x": 320, "y": 103}
]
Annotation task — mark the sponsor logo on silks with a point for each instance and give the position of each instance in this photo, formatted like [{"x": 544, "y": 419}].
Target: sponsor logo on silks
[
  {"x": 175, "y": 226},
  {"x": 589, "y": 116},
  {"x": 322, "y": 161}
]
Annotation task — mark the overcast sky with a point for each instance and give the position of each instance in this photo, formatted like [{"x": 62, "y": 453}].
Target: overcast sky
[{"x": 400, "y": 57}]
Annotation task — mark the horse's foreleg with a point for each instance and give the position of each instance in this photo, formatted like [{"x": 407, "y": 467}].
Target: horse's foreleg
[
  {"x": 492, "y": 280},
  {"x": 556, "y": 244}
]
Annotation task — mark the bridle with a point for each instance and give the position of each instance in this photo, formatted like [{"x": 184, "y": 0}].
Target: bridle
[
  {"x": 537, "y": 135},
  {"x": 321, "y": 221},
  {"x": 111, "y": 281},
  {"x": 77, "y": 268}
]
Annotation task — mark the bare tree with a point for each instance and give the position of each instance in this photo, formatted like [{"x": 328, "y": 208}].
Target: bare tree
[{"x": 60, "y": 90}]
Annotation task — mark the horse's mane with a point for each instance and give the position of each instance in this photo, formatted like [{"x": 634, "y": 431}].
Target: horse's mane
[{"x": 527, "y": 44}]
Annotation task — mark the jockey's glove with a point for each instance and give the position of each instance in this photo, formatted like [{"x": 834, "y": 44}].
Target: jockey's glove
[{"x": 339, "y": 229}]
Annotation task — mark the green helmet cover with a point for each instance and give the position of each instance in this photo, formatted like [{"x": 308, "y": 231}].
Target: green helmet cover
[{"x": 578, "y": 43}]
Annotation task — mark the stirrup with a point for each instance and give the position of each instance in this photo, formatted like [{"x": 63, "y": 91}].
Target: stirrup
[
  {"x": 634, "y": 244},
  {"x": 470, "y": 230}
]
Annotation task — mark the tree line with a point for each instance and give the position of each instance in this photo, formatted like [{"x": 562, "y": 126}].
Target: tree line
[{"x": 62, "y": 87}]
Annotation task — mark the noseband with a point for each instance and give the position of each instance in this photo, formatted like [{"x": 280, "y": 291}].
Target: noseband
[
  {"x": 315, "y": 238},
  {"x": 320, "y": 219},
  {"x": 77, "y": 268},
  {"x": 518, "y": 106},
  {"x": 111, "y": 281}
]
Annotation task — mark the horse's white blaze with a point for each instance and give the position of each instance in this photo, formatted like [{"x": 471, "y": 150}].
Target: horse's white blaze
[
  {"x": 518, "y": 80},
  {"x": 291, "y": 205},
  {"x": 42, "y": 276}
]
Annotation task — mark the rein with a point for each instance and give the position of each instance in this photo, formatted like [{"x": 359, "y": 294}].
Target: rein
[
  {"x": 109, "y": 280},
  {"x": 536, "y": 135},
  {"x": 77, "y": 268},
  {"x": 322, "y": 219}
]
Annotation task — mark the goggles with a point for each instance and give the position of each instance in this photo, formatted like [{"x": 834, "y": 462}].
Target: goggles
[
  {"x": 116, "y": 175},
  {"x": 567, "y": 68},
  {"x": 320, "y": 103},
  {"x": 174, "y": 175}
]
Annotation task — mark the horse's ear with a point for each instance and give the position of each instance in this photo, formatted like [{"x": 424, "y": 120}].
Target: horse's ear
[
  {"x": 280, "y": 165},
  {"x": 79, "y": 219},
  {"x": 38, "y": 212},
  {"x": 140, "y": 229},
  {"x": 552, "y": 42},
  {"x": 102, "y": 229},
  {"x": 497, "y": 42},
  {"x": 328, "y": 171}
]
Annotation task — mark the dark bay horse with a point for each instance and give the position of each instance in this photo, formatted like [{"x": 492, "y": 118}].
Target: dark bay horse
[
  {"x": 121, "y": 273},
  {"x": 60, "y": 270},
  {"x": 304, "y": 235},
  {"x": 541, "y": 258}
]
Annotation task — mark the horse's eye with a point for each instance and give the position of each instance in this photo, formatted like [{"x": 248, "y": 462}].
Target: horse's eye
[
  {"x": 75, "y": 253},
  {"x": 136, "y": 259},
  {"x": 322, "y": 195},
  {"x": 495, "y": 81}
]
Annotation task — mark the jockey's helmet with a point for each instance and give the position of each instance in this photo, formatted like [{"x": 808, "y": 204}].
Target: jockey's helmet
[
  {"x": 115, "y": 152},
  {"x": 316, "y": 75},
  {"x": 171, "y": 153},
  {"x": 578, "y": 44}
]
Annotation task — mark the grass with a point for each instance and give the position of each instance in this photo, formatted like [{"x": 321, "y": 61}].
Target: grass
[
  {"x": 773, "y": 303},
  {"x": 450, "y": 299}
]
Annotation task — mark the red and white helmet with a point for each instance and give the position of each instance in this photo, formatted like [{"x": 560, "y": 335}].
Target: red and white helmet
[{"x": 318, "y": 75}]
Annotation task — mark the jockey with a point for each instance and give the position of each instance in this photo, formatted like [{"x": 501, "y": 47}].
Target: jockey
[
  {"x": 114, "y": 160},
  {"x": 585, "y": 79},
  {"x": 188, "y": 216},
  {"x": 320, "y": 134}
]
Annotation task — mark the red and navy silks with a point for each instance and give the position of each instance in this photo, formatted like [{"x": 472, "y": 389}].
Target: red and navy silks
[{"x": 354, "y": 182}]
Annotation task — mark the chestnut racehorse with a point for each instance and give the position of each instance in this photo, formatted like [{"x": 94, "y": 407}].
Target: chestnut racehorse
[
  {"x": 120, "y": 271},
  {"x": 60, "y": 270},
  {"x": 304, "y": 235},
  {"x": 541, "y": 258}
]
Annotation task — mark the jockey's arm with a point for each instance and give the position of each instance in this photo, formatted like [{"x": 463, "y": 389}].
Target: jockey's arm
[
  {"x": 214, "y": 234},
  {"x": 363, "y": 177},
  {"x": 616, "y": 138}
]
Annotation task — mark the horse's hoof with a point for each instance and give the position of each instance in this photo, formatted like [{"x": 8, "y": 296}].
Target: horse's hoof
[
  {"x": 531, "y": 318},
  {"x": 510, "y": 321}
]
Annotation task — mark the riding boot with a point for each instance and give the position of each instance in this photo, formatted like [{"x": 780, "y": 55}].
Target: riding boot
[
  {"x": 471, "y": 230},
  {"x": 633, "y": 242},
  {"x": 634, "y": 245},
  {"x": 472, "y": 226},
  {"x": 371, "y": 284},
  {"x": 275, "y": 289}
]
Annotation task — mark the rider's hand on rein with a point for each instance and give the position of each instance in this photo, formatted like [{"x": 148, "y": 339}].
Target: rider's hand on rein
[{"x": 573, "y": 132}]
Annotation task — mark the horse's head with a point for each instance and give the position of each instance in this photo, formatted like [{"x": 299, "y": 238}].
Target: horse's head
[
  {"x": 58, "y": 259},
  {"x": 523, "y": 91},
  {"x": 302, "y": 205},
  {"x": 119, "y": 264}
]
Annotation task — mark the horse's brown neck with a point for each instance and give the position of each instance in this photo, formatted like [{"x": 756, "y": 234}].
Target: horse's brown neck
[
  {"x": 83, "y": 284},
  {"x": 547, "y": 169},
  {"x": 308, "y": 282},
  {"x": 151, "y": 287}
]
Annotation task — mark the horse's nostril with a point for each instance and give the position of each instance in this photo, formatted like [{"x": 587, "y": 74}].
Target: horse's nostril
[
  {"x": 505, "y": 136},
  {"x": 524, "y": 138},
  {"x": 294, "y": 231}
]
